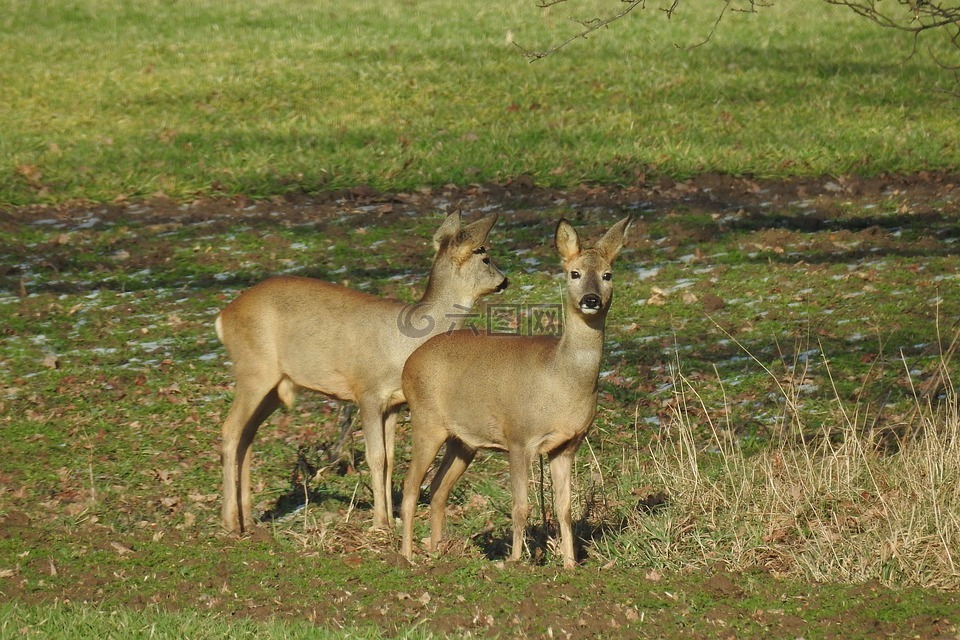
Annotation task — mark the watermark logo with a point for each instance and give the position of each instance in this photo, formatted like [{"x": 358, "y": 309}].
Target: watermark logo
[
  {"x": 500, "y": 319},
  {"x": 413, "y": 322},
  {"x": 525, "y": 319},
  {"x": 545, "y": 319}
]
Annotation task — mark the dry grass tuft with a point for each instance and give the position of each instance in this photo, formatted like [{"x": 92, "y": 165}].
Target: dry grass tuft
[{"x": 842, "y": 506}]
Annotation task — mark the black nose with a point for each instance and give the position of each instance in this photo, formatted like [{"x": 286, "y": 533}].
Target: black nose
[
  {"x": 503, "y": 285},
  {"x": 590, "y": 301}
]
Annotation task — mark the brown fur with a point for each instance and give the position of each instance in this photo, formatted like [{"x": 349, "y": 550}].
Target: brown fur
[
  {"x": 288, "y": 333},
  {"x": 523, "y": 395}
]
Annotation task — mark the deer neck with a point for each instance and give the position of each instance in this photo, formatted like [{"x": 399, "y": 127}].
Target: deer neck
[
  {"x": 446, "y": 306},
  {"x": 581, "y": 346}
]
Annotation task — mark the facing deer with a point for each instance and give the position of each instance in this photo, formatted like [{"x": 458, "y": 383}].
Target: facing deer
[
  {"x": 288, "y": 333},
  {"x": 523, "y": 395}
]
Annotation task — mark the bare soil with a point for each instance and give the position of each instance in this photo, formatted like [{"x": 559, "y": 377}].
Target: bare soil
[{"x": 711, "y": 193}]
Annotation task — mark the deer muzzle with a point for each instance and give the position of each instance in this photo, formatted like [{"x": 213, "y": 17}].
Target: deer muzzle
[{"x": 590, "y": 304}]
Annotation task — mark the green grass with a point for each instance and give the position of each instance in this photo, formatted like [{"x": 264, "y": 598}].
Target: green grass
[
  {"x": 81, "y": 622},
  {"x": 106, "y": 100},
  {"x": 773, "y": 441},
  {"x": 772, "y": 437}
]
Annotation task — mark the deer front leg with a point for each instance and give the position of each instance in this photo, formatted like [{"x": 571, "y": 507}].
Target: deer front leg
[
  {"x": 456, "y": 459},
  {"x": 426, "y": 444},
  {"x": 389, "y": 439},
  {"x": 374, "y": 429},
  {"x": 519, "y": 484},
  {"x": 561, "y": 465}
]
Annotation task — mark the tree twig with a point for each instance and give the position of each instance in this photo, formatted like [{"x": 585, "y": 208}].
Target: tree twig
[
  {"x": 911, "y": 16},
  {"x": 591, "y": 26}
]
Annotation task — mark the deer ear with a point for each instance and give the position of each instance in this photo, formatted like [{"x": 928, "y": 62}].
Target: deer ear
[
  {"x": 612, "y": 241},
  {"x": 567, "y": 240},
  {"x": 447, "y": 231},
  {"x": 474, "y": 235}
]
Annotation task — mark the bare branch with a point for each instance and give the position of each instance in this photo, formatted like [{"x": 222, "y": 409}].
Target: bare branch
[
  {"x": 914, "y": 16},
  {"x": 727, "y": 7},
  {"x": 591, "y": 26},
  {"x": 911, "y": 16},
  {"x": 594, "y": 24}
]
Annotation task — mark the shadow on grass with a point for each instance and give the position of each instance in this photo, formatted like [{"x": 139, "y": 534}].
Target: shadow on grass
[
  {"x": 593, "y": 526},
  {"x": 313, "y": 460}
]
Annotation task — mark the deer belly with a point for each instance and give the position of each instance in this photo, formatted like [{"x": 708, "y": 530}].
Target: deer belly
[
  {"x": 333, "y": 385},
  {"x": 482, "y": 436}
]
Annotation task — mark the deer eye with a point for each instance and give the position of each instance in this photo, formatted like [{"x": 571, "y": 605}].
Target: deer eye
[
  {"x": 575, "y": 275},
  {"x": 608, "y": 276},
  {"x": 480, "y": 250}
]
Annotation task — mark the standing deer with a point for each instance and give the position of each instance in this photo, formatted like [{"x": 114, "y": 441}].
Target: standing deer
[
  {"x": 288, "y": 333},
  {"x": 525, "y": 395}
]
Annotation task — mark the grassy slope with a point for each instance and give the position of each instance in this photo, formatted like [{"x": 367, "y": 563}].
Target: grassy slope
[{"x": 108, "y": 99}]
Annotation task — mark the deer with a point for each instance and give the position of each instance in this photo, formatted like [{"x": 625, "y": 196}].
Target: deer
[
  {"x": 525, "y": 395},
  {"x": 289, "y": 333}
]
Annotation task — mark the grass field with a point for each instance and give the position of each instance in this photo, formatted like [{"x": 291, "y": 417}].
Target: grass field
[
  {"x": 776, "y": 412},
  {"x": 777, "y": 447},
  {"x": 109, "y": 100}
]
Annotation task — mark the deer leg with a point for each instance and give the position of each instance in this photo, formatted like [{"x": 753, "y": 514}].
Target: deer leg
[
  {"x": 248, "y": 411},
  {"x": 456, "y": 459},
  {"x": 519, "y": 485},
  {"x": 389, "y": 440},
  {"x": 372, "y": 421},
  {"x": 426, "y": 443},
  {"x": 561, "y": 465},
  {"x": 346, "y": 422}
]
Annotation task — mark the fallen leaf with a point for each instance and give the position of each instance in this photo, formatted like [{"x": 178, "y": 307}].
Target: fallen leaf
[
  {"x": 31, "y": 173},
  {"x": 658, "y": 297},
  {"x": 122, "y": 549},
  {"x": 712, "y": 302}
]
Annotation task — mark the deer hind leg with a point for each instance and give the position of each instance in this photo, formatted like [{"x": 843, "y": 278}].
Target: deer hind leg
[
  {"x": 427, "y": 441},
  {"x": 456, "y": 459},
  {"x": 251, "y": 406},
  {"x": 520, "y": 462},
  {"x": 561, "y": 465}
]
